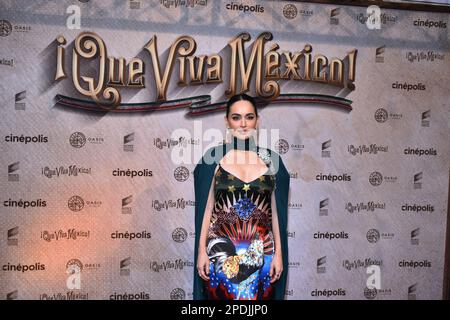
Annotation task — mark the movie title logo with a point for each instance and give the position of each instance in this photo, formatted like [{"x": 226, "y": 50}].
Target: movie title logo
[
  {"x": 69, "y": 234},
  {"x": 369, "y": 149},
  {"x": 70, "y": 171},
  {"x": 370, "y": 206},
  {"x": 112, "y": 74},
  {"x": 181, "y": 203},
  {"x": 178, "y": 264}
]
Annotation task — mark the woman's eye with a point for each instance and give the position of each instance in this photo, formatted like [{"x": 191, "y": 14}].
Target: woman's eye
[
  {"x": 250, "y": 117},
  {"x": 235, "y": 118}
]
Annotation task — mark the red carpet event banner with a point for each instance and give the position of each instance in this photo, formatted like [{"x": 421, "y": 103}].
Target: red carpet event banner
[{"x": 107, "y": 107}]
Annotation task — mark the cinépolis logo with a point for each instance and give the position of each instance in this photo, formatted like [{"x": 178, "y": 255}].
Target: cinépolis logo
[
  {"x": 235, "y": 6},
  {"x": 24, "y": 204},
  {"x": 26, "y": 139},
  {"x": 344, "y": 177},
  {"x": 131, "y": 235},
  {"x": 331, "y": 235},
  {"x": 38, "y": 266},
  {"x": 132, "y": 173},
  {"x": 269, "y": 66}
]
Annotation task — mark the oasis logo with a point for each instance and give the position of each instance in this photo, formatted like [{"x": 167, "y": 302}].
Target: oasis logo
[
  {"x": 20, "y": 100},
  {"x": 172, "y": 204},
  {"x": 420, "y": 152},
  {"x": 294, "y": 206},
  {"x": 368, "y": 207},
  {"x": 334, "y": 13},
  {"x": 127, "y": 140},
  {"x": 74, "y": 268},
  {"x": 39, "y": 203},
  {"x": 373, "y": 235},
  {"x": 381, "y": 115},
  {"x": 372, "y": 293},
  {"x": 177, "y": 294},
  {"x": 326, "y": 149},
  {"x": 417, "y": 180},
  {"x": 13, "y": 174},
  {"x": 333, "y": 178},
  {"x": 289, "y": 11},
  {"x": 323, "y": 207},
  {"x": 321, "y": 268},
  {"x": 181, "y": 174},
  {"x": 78, "y": 140},
  {"x": 294, "y": 264},
  {"x": 282, "y": 146},
  {"x": 415, "y": 236},
  {"x": 244, "y": 7},
  {"x": 12, "y": 235},
  {"x": 125, "y": 267},
  {"x": 179, "y": 235},
  {"x": 126, "y": 209},
  {"x": 75, "y": 203},
  {"x": 5, "y": 28},
  {"x": 376, "y": 178},
  {"x": 426, "y": 118},
  {"x": 379, "y": 54},
  {"x": 370, "y": 149}
]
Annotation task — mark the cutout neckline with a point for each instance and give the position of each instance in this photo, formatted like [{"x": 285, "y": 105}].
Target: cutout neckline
[{"x": 265, "y": 173}]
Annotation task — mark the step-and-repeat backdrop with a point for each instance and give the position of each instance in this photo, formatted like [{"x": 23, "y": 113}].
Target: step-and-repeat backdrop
[{"x": 107, "y": 106}]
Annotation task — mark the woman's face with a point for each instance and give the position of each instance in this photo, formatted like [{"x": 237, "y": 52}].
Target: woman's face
[{"x": 241, "y": 119}]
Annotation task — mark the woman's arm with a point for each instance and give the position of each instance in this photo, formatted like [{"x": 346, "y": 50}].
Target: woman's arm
[
  {"x": 277, "y": 263},
  {"x": 203, "y": 259}
]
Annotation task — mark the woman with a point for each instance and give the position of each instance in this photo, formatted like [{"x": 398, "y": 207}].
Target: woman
[{"x": 241, "y": 196}]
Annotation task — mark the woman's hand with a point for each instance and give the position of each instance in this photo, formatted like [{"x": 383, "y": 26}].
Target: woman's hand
[
  {"x": 203, "y": 265},
  {"x": 276, "y": 267}
]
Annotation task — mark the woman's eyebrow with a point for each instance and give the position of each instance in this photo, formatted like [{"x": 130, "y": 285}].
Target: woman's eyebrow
[{"x": 238, "y": 114}]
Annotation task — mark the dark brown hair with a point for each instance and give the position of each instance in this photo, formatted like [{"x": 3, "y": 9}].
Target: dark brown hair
[{"x": 239, "y": 97}]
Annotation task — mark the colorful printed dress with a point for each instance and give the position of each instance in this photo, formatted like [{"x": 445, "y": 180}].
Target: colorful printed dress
[{"x": 240, "y": 242}]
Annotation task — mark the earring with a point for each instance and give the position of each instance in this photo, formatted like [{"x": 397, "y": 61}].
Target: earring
[{"x": 227, "y": 136}]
